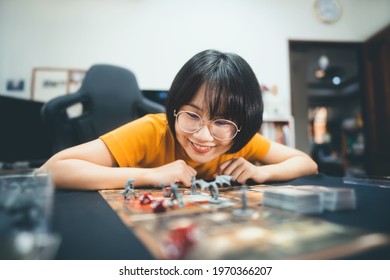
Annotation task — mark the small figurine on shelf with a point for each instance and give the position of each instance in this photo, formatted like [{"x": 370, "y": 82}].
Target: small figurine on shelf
[{"x": 129, "y": 190}]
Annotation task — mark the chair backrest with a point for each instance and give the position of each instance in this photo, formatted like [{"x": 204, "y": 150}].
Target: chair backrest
[{"x": 109, "y": 96}]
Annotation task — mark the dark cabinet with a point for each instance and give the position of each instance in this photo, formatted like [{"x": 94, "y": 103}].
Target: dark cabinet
[
  {"x": 351, "y": 82},
  {"x": 331, "y": 82},
  {"x": 377, "y": 102}
]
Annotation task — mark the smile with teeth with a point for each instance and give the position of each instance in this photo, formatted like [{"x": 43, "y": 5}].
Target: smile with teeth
[{"x": 201, "y": 148}]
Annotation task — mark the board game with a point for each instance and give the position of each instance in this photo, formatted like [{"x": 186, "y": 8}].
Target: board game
[{"x": 239, "y": 226}]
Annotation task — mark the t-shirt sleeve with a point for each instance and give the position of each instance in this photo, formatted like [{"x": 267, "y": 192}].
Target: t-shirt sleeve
[
  {"x": 257, "y": 148},
  {"x": 129, "y": 143}
]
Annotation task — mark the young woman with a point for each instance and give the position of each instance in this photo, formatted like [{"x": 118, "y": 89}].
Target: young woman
[{"x": 213, "y": 114}]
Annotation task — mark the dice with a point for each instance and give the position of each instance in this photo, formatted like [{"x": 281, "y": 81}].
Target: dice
[
  {"x": 146, "y": 198},
  {"x": 158, "y": 205},
  {"x": 180, "y": 240}
]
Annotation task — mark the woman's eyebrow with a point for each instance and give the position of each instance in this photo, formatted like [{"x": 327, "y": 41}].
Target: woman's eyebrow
[{"x": 194, "y": 106}]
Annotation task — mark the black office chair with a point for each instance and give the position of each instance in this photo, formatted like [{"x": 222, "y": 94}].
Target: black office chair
[{"x": 109, "y": 96}]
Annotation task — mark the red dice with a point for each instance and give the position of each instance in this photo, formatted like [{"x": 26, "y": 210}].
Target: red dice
[
  {"x": 158, "y": 205},
  {"x": 180, "y": 240},
  {"x": 145, "y": 198}
]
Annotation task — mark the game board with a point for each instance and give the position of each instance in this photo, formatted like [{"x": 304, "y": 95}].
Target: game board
[{"x": 203, "y": 230}]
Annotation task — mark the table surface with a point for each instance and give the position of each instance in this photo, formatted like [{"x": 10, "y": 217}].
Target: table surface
[{"x": 91, "y": 230}]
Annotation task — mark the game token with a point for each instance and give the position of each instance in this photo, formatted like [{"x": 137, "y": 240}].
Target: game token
[
  {"x": 179, "y": 241},
  {"x": 300, "y": 201},
  {"x": 333, "y": 199},
  {"x": 146, "y": 198},
  {"x": 158, "y": 205}
]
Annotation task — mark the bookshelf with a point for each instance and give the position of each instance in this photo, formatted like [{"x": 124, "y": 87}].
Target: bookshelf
[{"x": 279, "y": 129}]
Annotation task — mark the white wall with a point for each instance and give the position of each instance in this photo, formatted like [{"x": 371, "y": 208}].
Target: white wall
[{"x": 154, "y": 38}]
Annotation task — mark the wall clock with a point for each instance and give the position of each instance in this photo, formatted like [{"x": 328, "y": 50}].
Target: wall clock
[{"x": 328, "y": 11}]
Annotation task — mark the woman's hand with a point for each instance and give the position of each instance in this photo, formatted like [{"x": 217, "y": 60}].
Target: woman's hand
[
  {"x": 174, "y": 172},
  {"x": 242, "y": 170},
  {"x": 281, "y": 163}
]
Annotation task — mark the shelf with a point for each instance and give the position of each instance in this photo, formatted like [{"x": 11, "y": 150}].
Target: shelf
[{"x": 279, "y": 129}]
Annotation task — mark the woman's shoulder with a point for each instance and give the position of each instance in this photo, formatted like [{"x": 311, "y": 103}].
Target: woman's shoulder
[
  {"x": 150, "y": 121},
  {"x": 151, "y": 124},
  {"x": 157, "y": 119},
  {"x": 138, "y": 139},
  {"x": 258, "y": 146}
]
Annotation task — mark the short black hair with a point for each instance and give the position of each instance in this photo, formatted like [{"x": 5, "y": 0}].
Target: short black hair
[{"x": 232, "y": 91}]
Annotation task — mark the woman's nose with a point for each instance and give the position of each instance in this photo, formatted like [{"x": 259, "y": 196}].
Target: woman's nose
[{"x": 204, "y": 134}]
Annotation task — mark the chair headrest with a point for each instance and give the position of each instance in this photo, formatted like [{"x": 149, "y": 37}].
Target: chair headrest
[{"x": 103, "y": 78}]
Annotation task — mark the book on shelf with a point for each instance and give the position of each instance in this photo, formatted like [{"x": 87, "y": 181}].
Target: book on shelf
[{"x": 279, "y": 130}]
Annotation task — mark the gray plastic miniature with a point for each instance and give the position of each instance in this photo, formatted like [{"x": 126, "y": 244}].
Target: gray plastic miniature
[
  {"x": 223, "y": 180},
  {"x": 194, "y": 188},
  {"x": 213, "y": 187},
  {"x": 129, "y": 190},
  {"x": 176, "y": 195},
  {"x": 244, "y": 211}
]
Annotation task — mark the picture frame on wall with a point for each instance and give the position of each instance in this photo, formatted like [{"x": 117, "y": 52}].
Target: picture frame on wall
[
  {"x": 15, "y": 85},
  {"x": 48, "y": 83}
]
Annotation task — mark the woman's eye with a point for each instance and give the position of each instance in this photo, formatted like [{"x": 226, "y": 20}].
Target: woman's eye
[
  {"x": 192, "y": 115},
  {"x": 221, "y": 122}
]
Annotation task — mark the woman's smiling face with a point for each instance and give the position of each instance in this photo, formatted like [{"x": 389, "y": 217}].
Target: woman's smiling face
[{"x": 200, "y": 146}]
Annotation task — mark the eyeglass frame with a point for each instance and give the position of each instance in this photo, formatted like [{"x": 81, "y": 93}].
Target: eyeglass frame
[{"x": 209, "y": 122}]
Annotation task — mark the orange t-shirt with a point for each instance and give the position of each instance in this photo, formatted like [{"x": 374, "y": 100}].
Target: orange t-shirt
[{"x": 148, "y": 142}]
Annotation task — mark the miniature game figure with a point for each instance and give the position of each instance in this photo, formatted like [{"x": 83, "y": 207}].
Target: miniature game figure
[
  {"x": 244, "y": 200},
  {"x": 213, "y": 187},
  {"x": 214, "y": 192},
  {"x": 129, "y": 190},
  {"x": 176, "y": 195},
  {"x": 223, "y": 179},
  {"x": 194, "y": 189},
  {"x": 202, "y": 183},
  {"x": 244, "y": 211},
  {"x": 166, "y": 191}
]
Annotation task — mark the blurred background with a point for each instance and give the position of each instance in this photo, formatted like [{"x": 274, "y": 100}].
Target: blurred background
[{"x": 325, "y": 83}]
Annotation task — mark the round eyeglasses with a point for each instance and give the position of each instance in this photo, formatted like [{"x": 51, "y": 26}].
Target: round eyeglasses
[{"x": 220, "y": 129}]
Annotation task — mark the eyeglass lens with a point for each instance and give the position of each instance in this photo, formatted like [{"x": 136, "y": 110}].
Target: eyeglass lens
[{"x": 221, "y": 129}]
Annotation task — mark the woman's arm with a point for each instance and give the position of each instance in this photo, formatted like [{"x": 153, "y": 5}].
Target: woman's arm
[
  {"x": 91, "y": 166},
  {"x": 279, "y": 164},
  {"x": 285, "y": 163}
]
